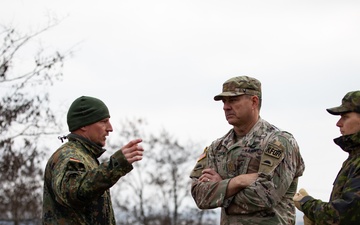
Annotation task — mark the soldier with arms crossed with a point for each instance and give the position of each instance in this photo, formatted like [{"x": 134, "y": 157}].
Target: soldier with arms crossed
[{"x": 252, "y": 171}]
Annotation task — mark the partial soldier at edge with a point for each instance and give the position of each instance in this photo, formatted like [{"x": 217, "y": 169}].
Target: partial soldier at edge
[{"x": 343, "y": 207}]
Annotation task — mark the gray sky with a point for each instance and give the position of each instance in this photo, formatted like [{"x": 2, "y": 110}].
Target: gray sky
[{"x": 164, "y": 60}]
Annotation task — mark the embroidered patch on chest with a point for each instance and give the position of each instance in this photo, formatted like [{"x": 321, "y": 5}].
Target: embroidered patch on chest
[{"x": 250, "y": 150}]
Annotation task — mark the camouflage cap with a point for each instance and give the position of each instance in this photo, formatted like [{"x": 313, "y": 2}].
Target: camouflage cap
[
  {"x": 240, "y": 86},
  {"x": 350, "y": 103}
]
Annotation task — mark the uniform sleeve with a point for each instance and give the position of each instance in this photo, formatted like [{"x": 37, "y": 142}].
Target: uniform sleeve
[
  {"x": 345, "y": 209},
  {"x": 74, "y": 184},
  {"x": 207, "y": 195},
  {"x": 269, "y": 189}
]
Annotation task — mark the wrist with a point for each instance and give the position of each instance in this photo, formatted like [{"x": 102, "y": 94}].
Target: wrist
[
  {"x": 304, "y": 200},
  {"x": 239, "y": 182}
]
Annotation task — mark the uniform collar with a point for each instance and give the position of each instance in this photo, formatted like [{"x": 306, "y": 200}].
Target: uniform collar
[
  {"x": 95, "y": 149},
  {"x": 231, "y": 139},
  {"x": 349, "y": 143}
]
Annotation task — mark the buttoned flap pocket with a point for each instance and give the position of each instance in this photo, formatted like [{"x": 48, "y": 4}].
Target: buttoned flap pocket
[
  {"x": 242, "y": 161},
  {"x": 237, "y": 164}
]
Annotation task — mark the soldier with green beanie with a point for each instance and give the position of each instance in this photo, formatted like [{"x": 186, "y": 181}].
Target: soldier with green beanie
[
  {"x": 343, "y": 207},
  {"x": 76, "y": 185},
  {"x": 252, "y": 172}
]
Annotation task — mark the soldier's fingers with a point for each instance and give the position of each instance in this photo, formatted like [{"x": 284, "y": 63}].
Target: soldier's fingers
[
  {"x": 127, "y": 149},
  {"x": 205, "y": 178},
  {"x": 209, "y": 171},
  {"x": 135, "y": 159},
  {"x": 297, "y": 197},
  {"x": 202, "y": 178},
  {"x": 132, "y": 143},
  {"x": 302, "y": 191},
  {"x": 131, "y": 154},
  {"x": 134, "y": 156}
]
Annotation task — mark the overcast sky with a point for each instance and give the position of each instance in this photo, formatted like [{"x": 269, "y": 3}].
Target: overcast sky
[{"x": 164, "y": 60}]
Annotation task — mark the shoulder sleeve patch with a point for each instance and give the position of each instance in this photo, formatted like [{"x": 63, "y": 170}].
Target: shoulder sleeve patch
[
  {"x": 74, "y": 164},
  {"x": 274, "y": 150},
  {"x": 203, "y": 155},
  {"x": 272, "y": 155},
  {"x": 200, "y": 165}
]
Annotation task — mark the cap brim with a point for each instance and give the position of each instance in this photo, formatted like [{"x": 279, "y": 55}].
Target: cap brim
[
  {"x": 338, "y": 110},
  {"x": 226, "y": 94}
]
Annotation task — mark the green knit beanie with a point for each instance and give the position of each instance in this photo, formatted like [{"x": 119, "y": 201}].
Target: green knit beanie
[{"x": 84, "y": 111}]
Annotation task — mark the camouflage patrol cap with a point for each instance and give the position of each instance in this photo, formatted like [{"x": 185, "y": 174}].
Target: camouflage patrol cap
[
  {"x": 84, "y": 111},
  {"x": 240, "y": 86},
  {"x": 350, "y": 103}
]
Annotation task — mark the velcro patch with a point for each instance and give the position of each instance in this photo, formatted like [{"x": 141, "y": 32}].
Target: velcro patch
[
  {"x": 273, "y": 151},
  {"x": 200, "y": 165},
  {"x": 267, "y": 162},
  {"x": 272, "y": 156},
  {"x": 203, "y": 155}
]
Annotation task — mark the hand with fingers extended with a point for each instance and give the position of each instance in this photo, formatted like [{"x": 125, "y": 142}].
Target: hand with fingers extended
[{"x": 133, "y": 151}]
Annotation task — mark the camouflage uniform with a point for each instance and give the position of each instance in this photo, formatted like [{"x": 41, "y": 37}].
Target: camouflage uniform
[
  {"x": 76, "y": 186},
  {"x": 344, "y": 204},
  {"x": 267, "y": 201}
]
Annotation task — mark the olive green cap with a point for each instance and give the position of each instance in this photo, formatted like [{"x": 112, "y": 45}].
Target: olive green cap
[
  {"x": 84, "y": 111},
  {"x": 240, "y": 86},
  {"x": 350, "y": 103}
]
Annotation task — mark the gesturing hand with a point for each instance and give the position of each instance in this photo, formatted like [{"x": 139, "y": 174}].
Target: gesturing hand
[
  {"x": 132, "y": 151},
  {"x": 298, "y": 196}
]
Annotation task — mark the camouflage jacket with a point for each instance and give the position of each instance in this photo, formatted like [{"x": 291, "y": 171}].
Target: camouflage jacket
[
  {"x": 76, "y": 186},
  {"x": 344, "y": 204},
  {"x": 267, "y": 201}
]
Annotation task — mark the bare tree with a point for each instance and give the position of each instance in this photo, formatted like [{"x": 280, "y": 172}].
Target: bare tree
[
  {"x": 25, "y": 115},
  {"x": 129, "y": 194},
  {"x": 171, "y": 161},
  {"x": 157, "y": 192}
]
